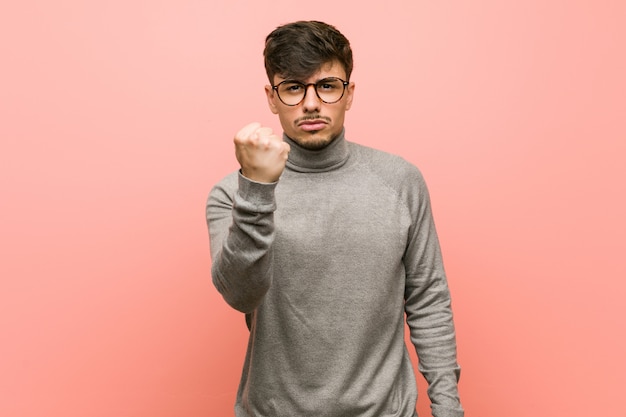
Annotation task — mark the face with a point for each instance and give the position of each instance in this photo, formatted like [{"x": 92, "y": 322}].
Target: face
[{"x": 313, "y": 124}]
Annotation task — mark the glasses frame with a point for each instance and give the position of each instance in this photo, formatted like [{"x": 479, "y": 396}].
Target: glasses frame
[{"x": 306, "y": 89}]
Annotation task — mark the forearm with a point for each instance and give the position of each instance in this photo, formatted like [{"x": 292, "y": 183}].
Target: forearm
[
  {"x": 430, "y": 320},
  {"x": 241, "y": 230}
]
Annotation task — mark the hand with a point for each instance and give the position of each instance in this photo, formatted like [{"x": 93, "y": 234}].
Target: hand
[{"x": 261, "y": 154}]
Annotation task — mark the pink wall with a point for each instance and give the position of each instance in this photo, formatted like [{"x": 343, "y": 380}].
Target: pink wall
[{"x": 116, "y": 118}]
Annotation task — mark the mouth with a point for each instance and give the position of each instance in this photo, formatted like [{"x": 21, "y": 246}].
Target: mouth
[{"x": 312, "y": 125}]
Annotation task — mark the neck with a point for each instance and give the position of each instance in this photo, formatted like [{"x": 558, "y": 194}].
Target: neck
[{"x": 326, "y": 159}]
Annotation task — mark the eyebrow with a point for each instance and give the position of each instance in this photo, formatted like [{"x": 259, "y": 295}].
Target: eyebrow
[{"x": 303, "y": 83}]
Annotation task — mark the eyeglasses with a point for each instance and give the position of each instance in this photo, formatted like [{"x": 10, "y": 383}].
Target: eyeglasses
[{"x": 329, "y": 90}]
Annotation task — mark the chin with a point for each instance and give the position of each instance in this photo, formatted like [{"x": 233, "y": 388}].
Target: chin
[{"x": 314, "y": 143}]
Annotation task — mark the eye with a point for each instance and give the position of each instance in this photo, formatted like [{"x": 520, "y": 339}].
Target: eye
[
  {"x": 328, "y": 85},
  {"x": 291, "y": 88}
]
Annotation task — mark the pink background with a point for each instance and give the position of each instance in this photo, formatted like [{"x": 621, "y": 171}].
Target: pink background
[{"x": 116, "y": 119}]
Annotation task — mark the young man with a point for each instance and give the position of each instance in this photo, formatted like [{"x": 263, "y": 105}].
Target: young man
[{"x": 325, "y": 245}]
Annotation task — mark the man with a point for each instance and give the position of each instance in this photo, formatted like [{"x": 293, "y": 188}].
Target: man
[{"x": 325, "y": 245}]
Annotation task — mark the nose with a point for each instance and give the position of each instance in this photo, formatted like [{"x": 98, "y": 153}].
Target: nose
[{"x": 311, "y": 102}]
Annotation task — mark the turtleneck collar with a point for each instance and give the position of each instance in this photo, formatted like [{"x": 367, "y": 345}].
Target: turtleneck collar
[{"x": 331, "y": 157}]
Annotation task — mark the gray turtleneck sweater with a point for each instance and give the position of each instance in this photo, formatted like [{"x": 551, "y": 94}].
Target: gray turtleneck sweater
[{"x": 326, "y": 263}]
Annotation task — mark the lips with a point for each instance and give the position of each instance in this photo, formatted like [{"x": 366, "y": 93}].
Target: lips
[{"x": 312, "y": 125}]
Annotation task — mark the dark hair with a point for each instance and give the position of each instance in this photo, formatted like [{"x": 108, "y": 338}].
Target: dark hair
[{"x": 298, "y": 50}]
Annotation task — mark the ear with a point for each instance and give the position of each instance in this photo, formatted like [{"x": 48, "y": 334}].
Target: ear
[
  {"x": 271, "y": 98},
  {"x": 349, "y": 95}
]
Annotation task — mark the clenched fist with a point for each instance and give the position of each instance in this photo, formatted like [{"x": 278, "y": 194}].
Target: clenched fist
[{"x": 261, "y": 154}]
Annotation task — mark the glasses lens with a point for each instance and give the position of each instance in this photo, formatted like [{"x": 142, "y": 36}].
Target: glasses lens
[
  {"x": 329, "y": 90},
  {"x": 291, "y": 92}
]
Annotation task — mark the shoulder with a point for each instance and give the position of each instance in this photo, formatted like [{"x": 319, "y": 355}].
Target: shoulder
[
  {"x": 392, "y": 169},
  {"x": 397, "y": 174}
]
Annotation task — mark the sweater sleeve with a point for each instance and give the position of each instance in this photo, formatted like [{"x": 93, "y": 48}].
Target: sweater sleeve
[
  {"x": 240, "y": 218},
  {"x": 428, "y": 306}
]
